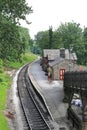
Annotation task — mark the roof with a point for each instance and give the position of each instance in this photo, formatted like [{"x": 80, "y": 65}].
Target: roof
[
  {"x": 56, "y": 61},
  {"x": 51, "y": 53},
  {"x": 55, "y": 53}
]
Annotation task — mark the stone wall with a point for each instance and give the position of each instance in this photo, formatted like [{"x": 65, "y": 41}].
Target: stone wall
[{"x": 65, "y": 64}]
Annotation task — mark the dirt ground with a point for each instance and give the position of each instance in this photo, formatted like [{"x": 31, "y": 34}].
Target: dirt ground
[{"x": 10, "y": 111}]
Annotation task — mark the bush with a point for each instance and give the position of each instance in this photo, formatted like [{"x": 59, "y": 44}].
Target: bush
[
  {"x": 1, "y": 63},
  {"x": 26, "y": 58}
]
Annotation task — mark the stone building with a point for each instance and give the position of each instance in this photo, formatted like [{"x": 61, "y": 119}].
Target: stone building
[{"x": 60, "y": 60}]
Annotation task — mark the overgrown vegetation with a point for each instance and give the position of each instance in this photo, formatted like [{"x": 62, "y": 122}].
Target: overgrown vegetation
[
  {"x": 26, "y": 58},
  {"x": 5, "y": 83},
  {"x": 13, "y": 38},
  {"x": 14, "y": 43},
  {"x": 66, "y": 35}
]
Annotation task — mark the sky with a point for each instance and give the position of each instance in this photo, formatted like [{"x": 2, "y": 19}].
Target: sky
[{"x": 54, "y": 12}]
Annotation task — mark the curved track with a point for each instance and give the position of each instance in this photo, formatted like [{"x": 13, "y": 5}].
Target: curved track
[{"x": 35, "y": 111}]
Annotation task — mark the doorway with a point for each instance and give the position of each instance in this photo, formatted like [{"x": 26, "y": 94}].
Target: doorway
[{"x": 61, "y": 74}]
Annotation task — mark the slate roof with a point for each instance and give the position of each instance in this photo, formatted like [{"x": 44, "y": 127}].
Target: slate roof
[
  {"x": 51, "y": 53},
  {"x": 55, "y": 54},
  {"x": 56, "y": 61}
]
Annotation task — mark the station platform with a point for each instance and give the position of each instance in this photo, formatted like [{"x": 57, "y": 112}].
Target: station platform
[{"x": 53, "y": 95}]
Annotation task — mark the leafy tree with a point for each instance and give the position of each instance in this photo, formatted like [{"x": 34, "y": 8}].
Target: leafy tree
[
  {"x": 70, "y": 33},
  {"x": 31, "y": 41},
  {"x": 15, "y": 9},
  {"x": 42, "y": 39},
  {"x": 66, "y": 35},
  {"x": 24, "y": 37},
  {"x": 11, "y": 43},
  {"x": 57, "y": 40},
  {"x": 85, "y": 45}
]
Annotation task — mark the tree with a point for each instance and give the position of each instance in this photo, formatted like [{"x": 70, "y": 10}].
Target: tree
[
  {"x": 66, "y": 35},
  {"x": 25, "y": 37},
  {"x": 71, "y": 34},
  {"x": 85, "y": 45},
  {"x": 50, "y": 37},
  {"x": 57, "y": 40},
  {"x": 42, "y": 39},
  {"x": 11, "y": 43},
  {"x": 15, "y": 9}
]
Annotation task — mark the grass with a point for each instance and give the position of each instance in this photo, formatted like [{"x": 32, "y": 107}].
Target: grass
[
  {"x": 3, "y": 122},
  {"x": 26, "y": 58},
  {"x": 5, "y": 84}
]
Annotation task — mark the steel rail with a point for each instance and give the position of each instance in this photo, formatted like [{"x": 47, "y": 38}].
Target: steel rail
[{"x": 36, "y": 117}]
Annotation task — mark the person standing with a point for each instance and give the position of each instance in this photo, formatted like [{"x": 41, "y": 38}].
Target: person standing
[{"x": 49, "y": 69}]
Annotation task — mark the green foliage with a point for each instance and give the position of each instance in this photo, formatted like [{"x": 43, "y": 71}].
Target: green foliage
[
  {"x": 3, "y": 121},
  {"x": 15, "y": 9},
  {"x": 26, "y": 58},
  {"x": 66, "y": 35},
  {"x": 1, "y": 66},
  {"x": 1, "y": 63},
  {"x": 24, "y": 37},
  {"x": 10, "y": 42},
  {"x": 42, "y": 39},
  {"x": 5, "y": 82},
  {"x": 84, "y": 50},
  {"x": 12, "y": 45},
  {"x": 29, "y": 57},
  {"x": 31, "y": 43},
  {"x": 57, "y": 40},
  {"x": 70, "y": 34}
]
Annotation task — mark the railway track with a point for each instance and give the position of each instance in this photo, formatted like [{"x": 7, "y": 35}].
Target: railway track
[{"x": 36, "y": 114}]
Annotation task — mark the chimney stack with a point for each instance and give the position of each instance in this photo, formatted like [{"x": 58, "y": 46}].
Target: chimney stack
[{"x": 62, "y": 52}]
